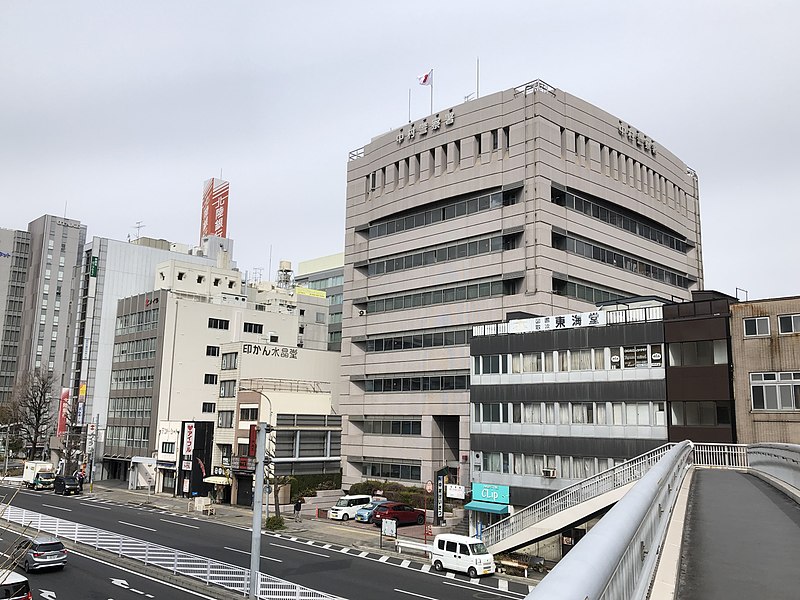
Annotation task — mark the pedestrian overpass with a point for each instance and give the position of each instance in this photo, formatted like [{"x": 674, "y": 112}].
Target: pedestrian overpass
[{"x": 639, "y": 549}]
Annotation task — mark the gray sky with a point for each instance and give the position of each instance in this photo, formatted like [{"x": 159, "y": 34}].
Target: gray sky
[{"x": 122, "y": 110}]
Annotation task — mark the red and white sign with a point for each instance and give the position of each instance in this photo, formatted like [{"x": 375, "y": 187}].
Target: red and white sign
[
  {"x": 188, "y": 438},
  {"x": 214, "y": 218},
  {"x": 63, "y": 412}
]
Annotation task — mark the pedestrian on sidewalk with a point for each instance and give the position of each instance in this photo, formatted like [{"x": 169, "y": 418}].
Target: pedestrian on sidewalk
[{"x": 297, "y": 506}]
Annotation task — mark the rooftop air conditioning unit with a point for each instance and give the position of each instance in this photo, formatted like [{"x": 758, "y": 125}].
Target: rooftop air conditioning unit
[{"x": 548, "y": 473}]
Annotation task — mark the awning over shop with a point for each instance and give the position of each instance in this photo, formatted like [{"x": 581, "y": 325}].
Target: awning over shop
[
  {"x": 487, "y": 507},
  {"x": 217, "y": 480}
]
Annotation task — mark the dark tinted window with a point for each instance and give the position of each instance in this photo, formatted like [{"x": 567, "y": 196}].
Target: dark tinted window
[{"x": 50, "y": 547}]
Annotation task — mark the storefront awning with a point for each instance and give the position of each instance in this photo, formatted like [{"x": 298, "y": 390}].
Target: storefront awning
[
  {"x": 487, "y": 507},
  {"x": 217, "y": 480}
]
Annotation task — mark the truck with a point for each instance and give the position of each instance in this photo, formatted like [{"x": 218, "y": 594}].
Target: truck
[{"x": 39, "y": 475}]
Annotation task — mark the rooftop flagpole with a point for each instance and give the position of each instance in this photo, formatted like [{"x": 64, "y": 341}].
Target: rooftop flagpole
[{"x": 431, "y": 91}]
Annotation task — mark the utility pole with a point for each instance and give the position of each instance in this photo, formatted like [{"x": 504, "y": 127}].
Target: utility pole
[{"x": 258, "y": 500}]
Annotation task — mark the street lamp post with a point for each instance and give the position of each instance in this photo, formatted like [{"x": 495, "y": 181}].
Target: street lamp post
[{"x": 255, "y": 542}]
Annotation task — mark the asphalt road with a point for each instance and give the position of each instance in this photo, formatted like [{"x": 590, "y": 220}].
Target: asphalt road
[
  {"x": 86, "y": 578},
  {"x": 326, "y": 569}
]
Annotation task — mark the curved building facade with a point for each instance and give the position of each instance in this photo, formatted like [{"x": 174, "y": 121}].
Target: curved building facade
[{"x": 529, "y": 201}]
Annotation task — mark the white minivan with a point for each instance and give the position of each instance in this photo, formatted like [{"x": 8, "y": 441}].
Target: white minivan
[
  {"x": 14, "y": 586},
  {"x": 347, "y": 506},
  {"x": 461, "y": 553}
]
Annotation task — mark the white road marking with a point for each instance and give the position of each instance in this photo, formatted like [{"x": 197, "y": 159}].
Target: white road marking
[
  {"x": 413, "y": 594},
  {"x": 58, "y": 507},
  {"x": 326, "y": 546},
  {"x": 486, "y": 589},
  {"x": 158, "y": 581},
  {"x": 181, "y": 524},
  {"x": 502, "y": 585},
  {"x": 426, "y": 568},
  {"x": 362, "y": 554},
  {"x": 95, "y": 506},
  {"x": 248, "y": 553},
  {"x": 135, "y": 525},
  {"x": 299, "y": 550},
  {"x": 383, "y": 559},
  {"x": 405, "y": 563}
]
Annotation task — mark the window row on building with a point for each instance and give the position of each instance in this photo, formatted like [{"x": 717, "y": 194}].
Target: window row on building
[
  {"x": 127, "y": 436},
  {"x": 138, "y": 407},
  {"x": 618, "y": 217},
  {"x": 587, "y": 359},
  {"x": 460, "y": 293},
  {"x": 699, "y": 414},
  {"x": 444, "y": 212},
  {"x": 408, "y": 169},
  {"x": 324, "y": 284},
  {"x": 392, "y": 427},
  {"x": 144, "y": 320},
  {"x": 545, "y": 465},
  {"x": 758, "y": 326},
  {"x": 135, "y": 350},
  {"x": 583, "y": 290},
  {"x": 417, "y": 341},
  {"x": 432, "y": 256},
  {"x": 378, "y": 469},
  {"x": 571, "y": 413},
  {"x": 130, "y": 379},
  {"x": 411, "y": 383},
  {"x": 593, "y": 251},
  {"x": 775, "y": 391}
]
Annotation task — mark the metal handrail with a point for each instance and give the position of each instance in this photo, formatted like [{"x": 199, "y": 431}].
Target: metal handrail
[
  {"x": 781, "y": 461},
  {"x": 177, "y": 562},
  {"x": 618, "y": 556},
  {"x": 601, "y": 483}
]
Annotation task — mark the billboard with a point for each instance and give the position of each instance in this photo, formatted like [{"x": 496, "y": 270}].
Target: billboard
[{"x": 214, "y": 217}]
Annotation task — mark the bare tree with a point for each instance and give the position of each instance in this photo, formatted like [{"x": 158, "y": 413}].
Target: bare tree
[{"x": 33, "y": 398}]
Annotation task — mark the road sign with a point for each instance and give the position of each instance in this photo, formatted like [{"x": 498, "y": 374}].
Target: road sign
[
  {"x": 429, "y": 486},
  {"x": 389, "y": 527}
]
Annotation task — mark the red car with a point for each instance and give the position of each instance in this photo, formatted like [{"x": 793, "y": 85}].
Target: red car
[{"x": 402, "y": 513}]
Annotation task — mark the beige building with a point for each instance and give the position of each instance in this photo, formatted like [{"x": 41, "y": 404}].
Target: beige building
[
  {"x": 529, "y": 202},
  {"x": 765, "y": 344}
]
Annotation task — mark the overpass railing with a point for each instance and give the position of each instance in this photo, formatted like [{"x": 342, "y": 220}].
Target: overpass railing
[
  {"x": 601, "y": 483},
  {"x": 781, "y": 461},
  {"x": 199, "y": 568},
  {"x": 617, "y": 557}
]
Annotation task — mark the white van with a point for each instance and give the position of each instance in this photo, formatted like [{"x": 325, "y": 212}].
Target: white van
[
  {"x": 461, "y": 553},
  {"x": 347, "y": 507},
  {"x": 14, "y": 586}
]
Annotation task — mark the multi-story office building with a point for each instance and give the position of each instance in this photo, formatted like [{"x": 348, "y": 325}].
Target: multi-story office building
[
  {"x": 109, "y": 271},
  {"x": 55, "y": 248},
  {"x": 525, "y": 201},
  {"x": 557, "y": 399},
  {"x": 326, "y": 274},
  {"x": 179, "y": 353},
  {"x": 14, "y": 257},
  {"x": 765, "y": 338}
]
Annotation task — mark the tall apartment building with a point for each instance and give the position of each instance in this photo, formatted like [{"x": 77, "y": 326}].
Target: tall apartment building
[
  {"x": 326, "y": 274},
  {"x": 527, "y": 202},
  {"x": 55, "y": 249},
  {"x": 14, "y": 257}
]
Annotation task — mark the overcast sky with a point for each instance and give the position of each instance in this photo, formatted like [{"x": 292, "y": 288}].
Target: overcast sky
[{"x": 120, "y": 110}]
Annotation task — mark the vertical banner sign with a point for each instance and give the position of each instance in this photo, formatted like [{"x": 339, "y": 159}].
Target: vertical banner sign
[
  {"x": 63, "y": 411},
  {"x": 91, "y": 432},
  {"x": 439, "y": 497},
  {"x": 188, "y": 439},
  {"x": 251, "y": 448},
  {"x": 214, "y": 218}
]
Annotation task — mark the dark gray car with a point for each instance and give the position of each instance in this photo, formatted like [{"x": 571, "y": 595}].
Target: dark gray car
[{"x": 40, "y": 552}]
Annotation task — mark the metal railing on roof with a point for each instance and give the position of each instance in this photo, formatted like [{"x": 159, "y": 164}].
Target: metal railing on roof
[
  {"x": 356, "y": 154},
  {"x": 537, "y": 85},
  {"x": 177, "y": 562}
]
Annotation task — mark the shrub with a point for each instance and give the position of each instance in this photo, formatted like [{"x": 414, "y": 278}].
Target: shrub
[{"x": 274, "y": 523}]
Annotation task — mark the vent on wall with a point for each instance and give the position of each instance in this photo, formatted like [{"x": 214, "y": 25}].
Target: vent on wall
[{"x": 548, "y": 473}]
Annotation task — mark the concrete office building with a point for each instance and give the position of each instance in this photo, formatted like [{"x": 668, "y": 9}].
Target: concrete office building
[
  {"x": 765, "y": 341},
  {"x": 55, "y": 249},
  {"x": 557, "y": 399},
  {"x": 109, "y": 271},
  {"x": 529, "y": 201},
  {"x": 14, "y": 257},
  {"x": 326, "y": 274}
]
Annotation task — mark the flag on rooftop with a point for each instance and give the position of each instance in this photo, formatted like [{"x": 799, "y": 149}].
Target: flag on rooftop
[{"x": 426, "y": 79}]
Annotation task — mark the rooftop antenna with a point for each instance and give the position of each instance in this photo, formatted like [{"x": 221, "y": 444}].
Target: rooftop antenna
[
  {"x": 469, "y": 96},
  {"x": 746, "y": 293},
  {"x": 138, "y": 227}
]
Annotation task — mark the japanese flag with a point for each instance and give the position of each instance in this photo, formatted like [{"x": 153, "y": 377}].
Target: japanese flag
[{"x": 426, "y": 79}]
